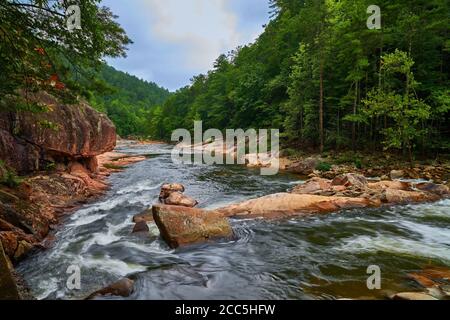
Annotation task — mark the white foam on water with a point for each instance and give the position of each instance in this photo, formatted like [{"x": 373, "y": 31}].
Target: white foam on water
[
  {"x": 104, "y": 239},
  {"x": 116, "y": 267},
  {"x": 397, "y": 245},
  {"x": 48, "y": 286},
  {"x": 138, "y": 188},
  {"x": 154, "y": 247},
  {"x": 106, "y": 205},
  {"x": 299, "y": 182},
  {"x": 437, "y": 209},
  {"x": 429, "y": 234},
  {"x": 85, "y": 220},
  {"x": 153, "y": 229}
]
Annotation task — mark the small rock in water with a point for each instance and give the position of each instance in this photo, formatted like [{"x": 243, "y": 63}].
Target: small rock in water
[
  {"x": 169, "y": 188},
  {"x": 179, "y": 199},
  {"x": 123, "y": 288},
  {"x": 172, "y": 194},
  {"x": 141, "y": 226},
  {"x": 397, "y": 174},
  {"x": 146, "y": 216}
]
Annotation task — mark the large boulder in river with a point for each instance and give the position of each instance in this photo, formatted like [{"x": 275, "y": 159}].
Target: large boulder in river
[
  {"x": 181, "y": 226},
  {"x": 31, "y": 141}
]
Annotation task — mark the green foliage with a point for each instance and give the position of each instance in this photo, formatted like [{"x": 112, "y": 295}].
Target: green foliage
[
  {"x": 323, "y": 167},
  {"x": 113, "y": 166},
  {"x": 39, "y": 53},
  {"x": 128, "y": 101},
  {"x": 48, "y": 125},
  {"x": 358, "y": 163},
  {"x": 317, "y": 61},
  {"x": 8, "y": 177},
  {"x": 51, "y": 166},
  {"x": 398, "y": 101}
]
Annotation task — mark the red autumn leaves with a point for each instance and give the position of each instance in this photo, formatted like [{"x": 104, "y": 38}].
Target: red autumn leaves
[{"x": 53, "y": 81}]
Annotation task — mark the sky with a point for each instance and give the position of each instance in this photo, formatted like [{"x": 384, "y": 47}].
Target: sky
[{"x": 177, "y": 39}]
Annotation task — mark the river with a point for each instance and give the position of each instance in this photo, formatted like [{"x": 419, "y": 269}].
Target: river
[{"x": 319, "y": 257}]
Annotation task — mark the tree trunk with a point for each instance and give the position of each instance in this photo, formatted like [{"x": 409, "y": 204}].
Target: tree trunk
[
  {"x": 321, "y": 129},
  {"x": 355, "y": 102}
]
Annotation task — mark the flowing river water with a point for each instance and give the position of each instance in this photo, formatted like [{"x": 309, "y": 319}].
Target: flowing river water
[{"x": 318, "y": 257}]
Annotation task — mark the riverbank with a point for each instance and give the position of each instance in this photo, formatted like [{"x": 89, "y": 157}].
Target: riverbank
[
  {"x": 380, "y": 165},
  {"x": 30, "y": 213}
]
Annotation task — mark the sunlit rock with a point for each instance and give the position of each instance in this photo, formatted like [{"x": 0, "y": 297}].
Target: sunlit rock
[{"x": 181, "y": 226}]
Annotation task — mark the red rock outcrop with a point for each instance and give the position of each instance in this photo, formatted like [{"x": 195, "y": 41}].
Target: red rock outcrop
[
  {"x": 63, "y": 141},
  {"x": 31, "y": 141}
]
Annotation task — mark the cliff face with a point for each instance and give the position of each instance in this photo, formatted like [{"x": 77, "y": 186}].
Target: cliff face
[
  {"x": 57, "y": 150},
  {"x": 34, "y": 141}
]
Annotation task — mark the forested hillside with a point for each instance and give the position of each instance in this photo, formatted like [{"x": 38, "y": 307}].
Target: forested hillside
[
  {"x": 328, "y": 82},
  {"x": 127, "y": 100}
]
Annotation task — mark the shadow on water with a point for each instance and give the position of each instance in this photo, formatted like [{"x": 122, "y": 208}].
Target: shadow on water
[{"x": 323, "y": 257}]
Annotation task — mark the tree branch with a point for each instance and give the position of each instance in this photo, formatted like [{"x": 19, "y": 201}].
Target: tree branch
[{"x": 29, "y": 5}]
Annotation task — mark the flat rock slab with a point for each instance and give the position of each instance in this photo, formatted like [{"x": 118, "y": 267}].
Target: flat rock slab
[
  {"x": 181, "y": 226},
  {"x": 287, "y": 204}
]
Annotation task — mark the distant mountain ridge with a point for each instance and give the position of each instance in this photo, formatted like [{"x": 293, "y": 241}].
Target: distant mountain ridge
[{"x": 128, "y": 102}]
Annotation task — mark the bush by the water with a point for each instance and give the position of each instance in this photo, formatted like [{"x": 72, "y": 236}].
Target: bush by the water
[
  {"x": 8, "y": 177},
  {"x": 323, "y": 166}
]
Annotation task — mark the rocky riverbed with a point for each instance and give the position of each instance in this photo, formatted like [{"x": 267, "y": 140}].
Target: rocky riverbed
[{"x": 302, "y": 255}]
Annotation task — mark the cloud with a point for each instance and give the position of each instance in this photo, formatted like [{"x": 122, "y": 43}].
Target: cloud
[
  {"x": 202, "y": 28},
  {"x": 177, "y": 39}
]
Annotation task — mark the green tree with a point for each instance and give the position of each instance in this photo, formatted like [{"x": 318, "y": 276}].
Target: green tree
[
  {"x": 39, "y": 53},
  {"x": 398, "y": 101}
]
